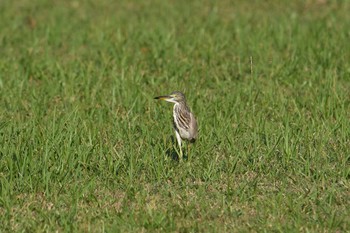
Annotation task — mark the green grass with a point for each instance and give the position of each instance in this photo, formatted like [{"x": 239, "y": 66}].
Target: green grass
[{"x": 85, "y": 148}]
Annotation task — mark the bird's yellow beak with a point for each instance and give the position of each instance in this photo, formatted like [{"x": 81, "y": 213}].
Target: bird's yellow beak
[{"x": 163, "y": 97}]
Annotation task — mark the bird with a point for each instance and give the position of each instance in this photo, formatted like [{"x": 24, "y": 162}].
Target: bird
[{"x": 184, "y": 121}]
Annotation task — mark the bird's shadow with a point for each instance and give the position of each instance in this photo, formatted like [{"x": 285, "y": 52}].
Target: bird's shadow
[{"x": 172, "y": 153}]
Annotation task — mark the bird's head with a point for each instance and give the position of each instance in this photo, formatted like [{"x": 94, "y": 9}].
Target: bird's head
[{"x": 174, "y": 97}]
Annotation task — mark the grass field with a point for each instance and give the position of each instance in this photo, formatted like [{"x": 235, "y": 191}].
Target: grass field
[{"x": 84, "y": 147}]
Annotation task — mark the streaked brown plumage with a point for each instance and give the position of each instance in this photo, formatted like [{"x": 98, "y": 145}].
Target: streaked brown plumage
[{"x": 185, "y": 124}]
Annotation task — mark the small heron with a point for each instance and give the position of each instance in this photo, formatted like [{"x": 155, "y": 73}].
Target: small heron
[{"x": 185, "y": 124}]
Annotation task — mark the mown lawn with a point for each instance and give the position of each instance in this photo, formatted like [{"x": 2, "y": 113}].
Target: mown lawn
[{"x": 84, "y": 147}]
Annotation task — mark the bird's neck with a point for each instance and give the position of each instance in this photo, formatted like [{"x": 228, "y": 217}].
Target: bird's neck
[{"x": 183, "y": 104}]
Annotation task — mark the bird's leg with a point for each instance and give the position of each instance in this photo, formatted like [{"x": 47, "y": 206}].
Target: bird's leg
[
  {"x": 179, "y": 142},
  {"x": 188, "y": 150}
]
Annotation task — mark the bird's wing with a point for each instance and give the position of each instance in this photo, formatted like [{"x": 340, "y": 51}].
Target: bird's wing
[{"x": 193, "y": 127}]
